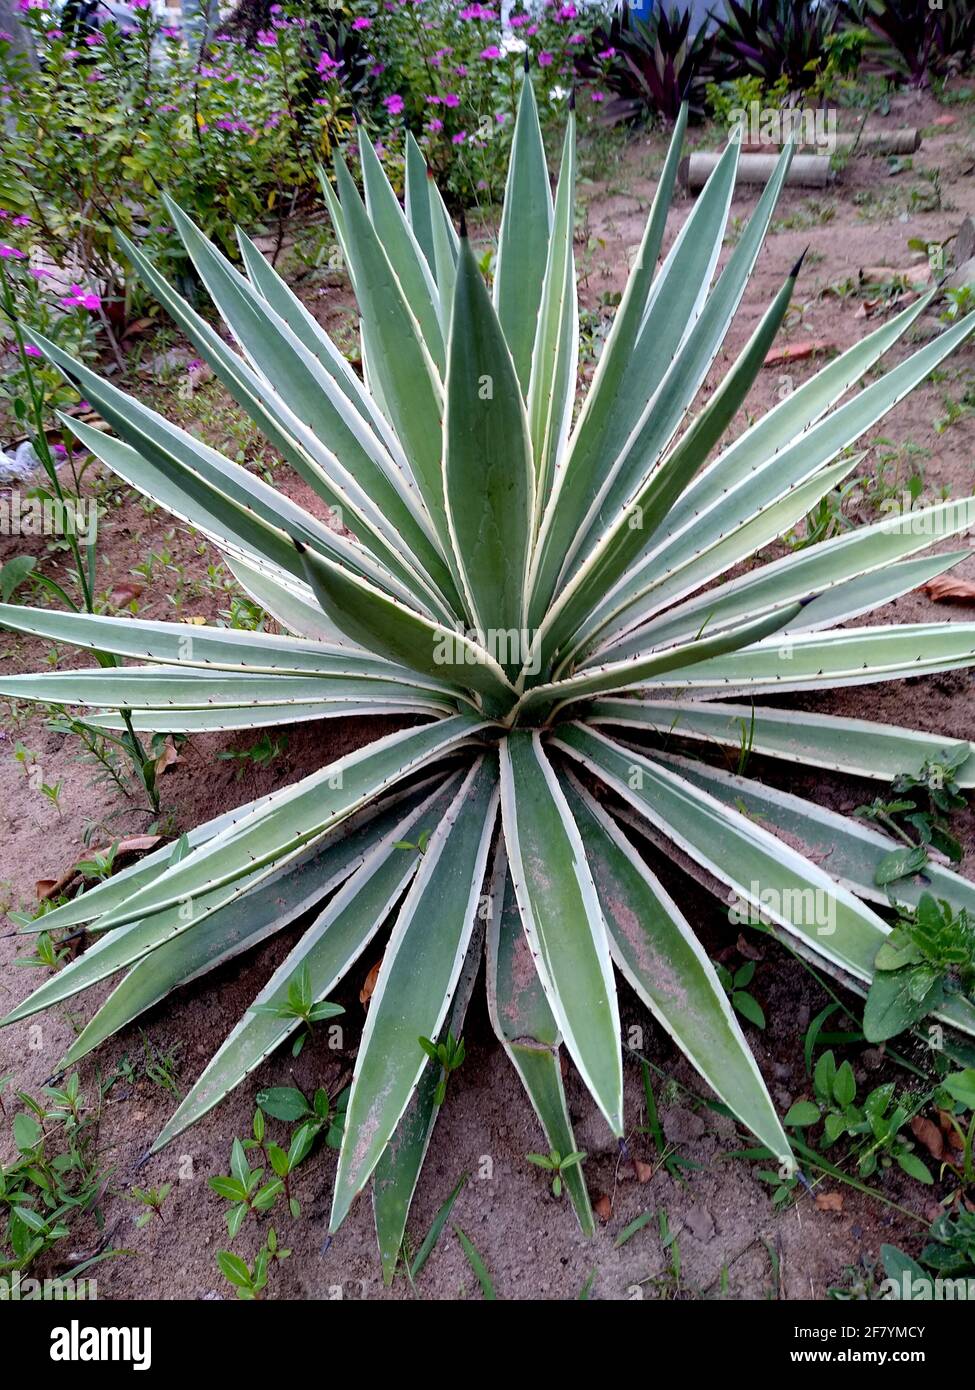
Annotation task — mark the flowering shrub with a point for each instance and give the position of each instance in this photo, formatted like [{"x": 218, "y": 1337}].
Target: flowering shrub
[
  {"x": 66, "y": 310},
  {"x": 115, "y": 112},
  {"x": 451, "y": 72}
]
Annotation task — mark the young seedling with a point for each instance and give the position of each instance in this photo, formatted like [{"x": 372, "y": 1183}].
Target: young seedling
[
  {"x": 917, "y": 815},
  {"x": 54, "y": 1178},
  {"x": 152, "y": 1198},
  {"x": 450, "y": 1054},
  {"x": 300, "y": 1005},
  {"x": 951, "y": 1249},
  {"x": 735, "y": 986},
  {"x": 245, "y": 1189},
  {"x": 929, "y": 955},
  {"x": 260, "y": 754},
  {"x": 554, "y": 1163},
  {"x": 250, "y": 1283},
  {"x": 420, "y": 845},
  {"x": 289, "y": 1104},
  {"x": 101, "y": 864},
  {"x": 874, "y": 1121},
  {"x": 48, "y": 954}
]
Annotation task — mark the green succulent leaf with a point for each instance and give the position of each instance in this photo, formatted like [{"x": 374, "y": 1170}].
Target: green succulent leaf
[
  {"x": 516, "y": 576},
  {"x": 419, "y": 974}
]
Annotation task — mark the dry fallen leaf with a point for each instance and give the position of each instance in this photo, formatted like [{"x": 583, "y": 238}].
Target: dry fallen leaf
[
  {"x": 369, "y": 985},
  {"x": 167, "y": 757},
  {"x": 603, "y": 1208},
  {"x": 138, "y": 326},
  {"x": 918, "y": 274},
  {"x": 135, "y": 844},
  {"x": 829, "y": 1201},
  {"x": 644, "y": 1171},
  {"x": 124, "y": 594},
  {"x": 952, "y": 1138},
  {"x": 795, "y": 352},
  {"x": 866, "y": 308},
  {"x": 947, "y": 589},
  {"x": 926, "y": 1132},
  {"x": 747, "y": 949},
  {"x": 946, "y": 119}
]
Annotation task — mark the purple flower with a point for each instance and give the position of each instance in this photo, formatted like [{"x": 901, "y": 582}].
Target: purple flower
[
  {"x": 492, "y": 51},
  {"x": 606, "y": 54},
  {"x": 267, "y": 38},
  {"x": 362, "y": 23},
  {"x": 31, "y": 350},
  {"x": 25, "y": 5},
  {"x": 459, "y": 138},
  {"x": 80, "y": 298},
  {"x": 94, "y": 40},
  {"x": 451, "y": 99},
  {"x": 10, "y": 253},
  {"x": 328, "y": 66},
  {"x": 21, "y": 222},
  {"x": 577, "y": 38},
  {"x": 598, "y": 96},
  {"x": 394, "y": 104},
  {"x": 544, "y": 60},
  {"x": 435, "y": 125}
]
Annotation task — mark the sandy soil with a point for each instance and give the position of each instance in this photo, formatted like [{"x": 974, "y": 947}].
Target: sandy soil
[{"x": 728, "y": 1236}]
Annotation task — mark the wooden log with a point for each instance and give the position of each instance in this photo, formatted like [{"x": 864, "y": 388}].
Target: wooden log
[{"x": 806, "y": 170}]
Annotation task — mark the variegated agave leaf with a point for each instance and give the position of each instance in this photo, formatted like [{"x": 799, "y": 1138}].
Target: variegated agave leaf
[{"x": 528, "y": 593}]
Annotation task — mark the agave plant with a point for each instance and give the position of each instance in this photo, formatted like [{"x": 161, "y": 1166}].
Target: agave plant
[{"x": 533, "y": 590}]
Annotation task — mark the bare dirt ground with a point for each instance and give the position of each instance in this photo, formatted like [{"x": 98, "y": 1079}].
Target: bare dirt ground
[{"x": 730, "y": 1241}]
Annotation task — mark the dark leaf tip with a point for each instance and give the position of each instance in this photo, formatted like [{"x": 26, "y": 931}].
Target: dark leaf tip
[{"x": 794, "y": 272}]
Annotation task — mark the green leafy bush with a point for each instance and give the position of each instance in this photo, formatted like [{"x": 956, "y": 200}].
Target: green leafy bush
[
  {"x": 452, "y": 72},
  {"x": 112, "y": 115}
]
